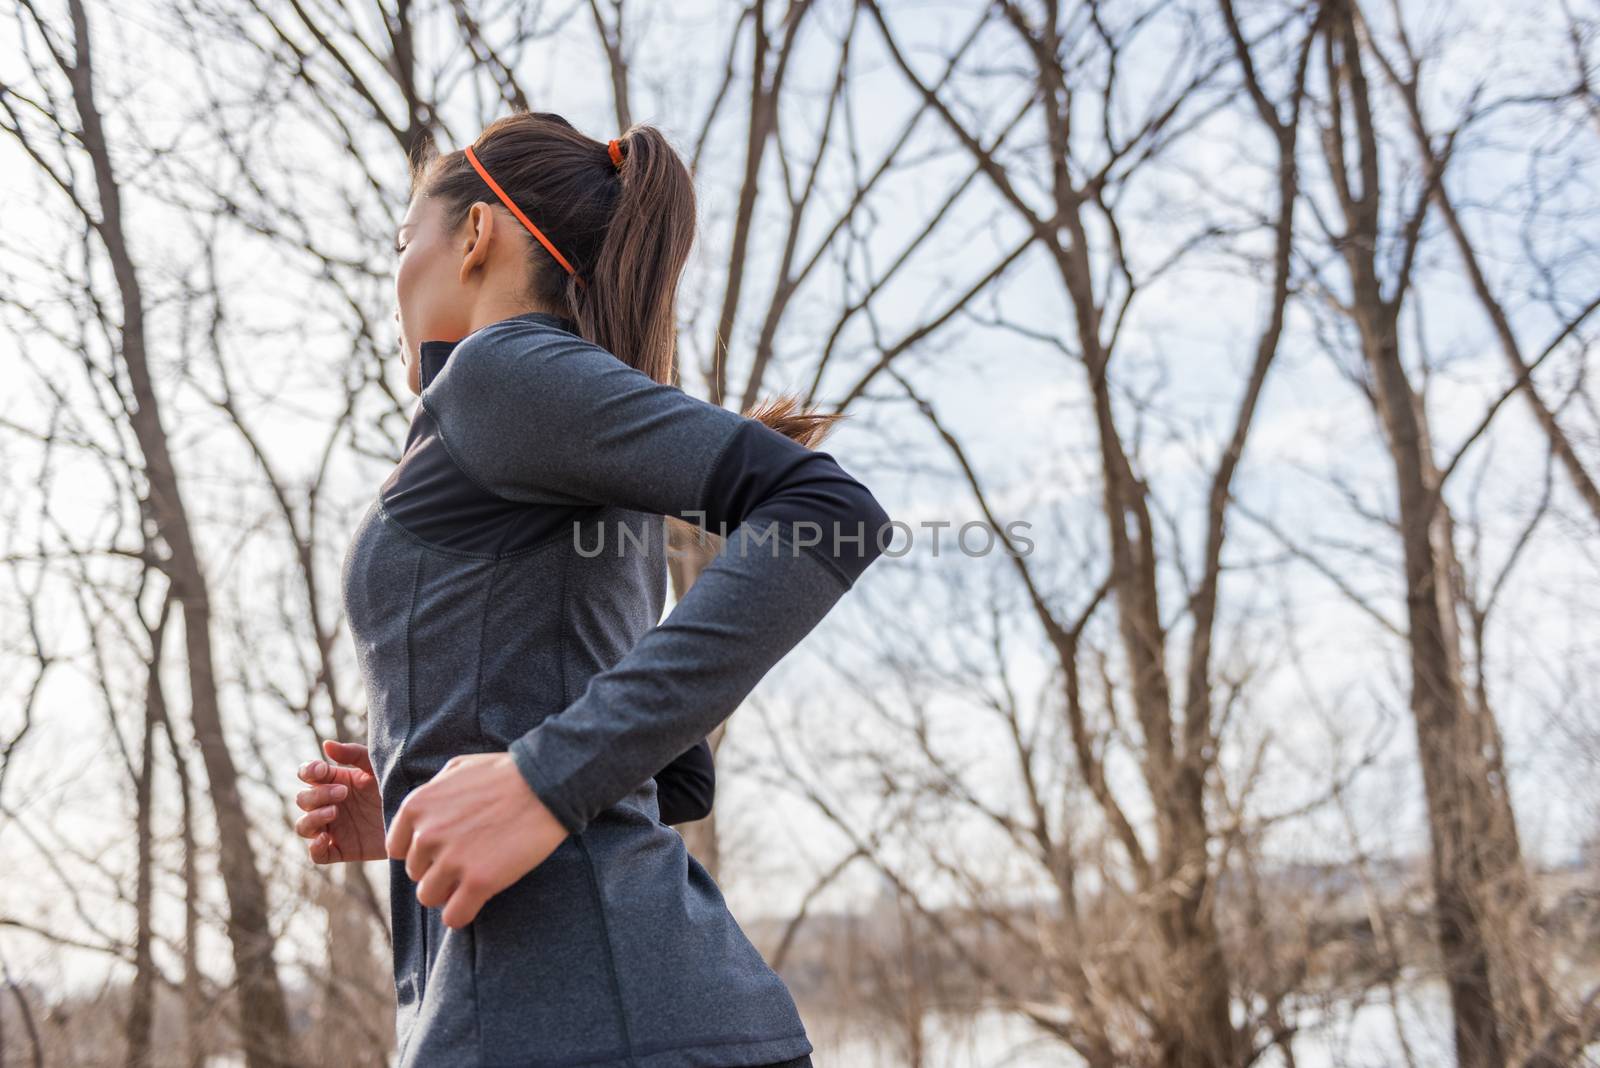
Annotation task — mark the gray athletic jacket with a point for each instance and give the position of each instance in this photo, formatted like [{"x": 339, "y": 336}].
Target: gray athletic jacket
[{"x": 504, "y": 592}]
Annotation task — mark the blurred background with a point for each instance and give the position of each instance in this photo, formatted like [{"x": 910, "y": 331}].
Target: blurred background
[{"x": 1229, "y": 694}]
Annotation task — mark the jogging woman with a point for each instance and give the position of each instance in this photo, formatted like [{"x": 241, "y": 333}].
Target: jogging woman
[{"x": 504, "y": 593}]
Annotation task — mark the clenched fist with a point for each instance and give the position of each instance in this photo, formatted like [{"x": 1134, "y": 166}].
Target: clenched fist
[{"x": 471, "y": 831}]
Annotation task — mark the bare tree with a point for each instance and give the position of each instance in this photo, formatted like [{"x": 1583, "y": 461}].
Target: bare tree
[
  {"x": 264, "y": 1023},
  {"x": 1494, "y": 962},
  {"x": 1170, "y": 893}
]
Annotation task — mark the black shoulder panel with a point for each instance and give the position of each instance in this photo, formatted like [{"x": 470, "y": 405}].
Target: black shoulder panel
[{"x": 431, "y": 496}]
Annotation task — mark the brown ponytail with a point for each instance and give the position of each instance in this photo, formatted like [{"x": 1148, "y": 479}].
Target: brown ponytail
[
  {"x": 630, "y": 306},
  {"x": 626, "y": 230}
]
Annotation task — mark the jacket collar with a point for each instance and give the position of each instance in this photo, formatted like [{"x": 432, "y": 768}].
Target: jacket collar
[{"x": 431, "y": 355}]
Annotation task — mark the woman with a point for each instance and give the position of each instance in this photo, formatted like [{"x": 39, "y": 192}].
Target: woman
[{"x": 504, "y": 592}]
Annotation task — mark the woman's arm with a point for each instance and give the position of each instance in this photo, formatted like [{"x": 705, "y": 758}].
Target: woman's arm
[
  {"x": 543, "y": 416},
  {"x": 686, "y": 787}
]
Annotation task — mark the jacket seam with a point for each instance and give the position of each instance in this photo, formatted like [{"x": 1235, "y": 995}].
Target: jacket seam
[
  {"x": 465, "y": 554},
  {"x": 611, "y": 954},
  {"x": 562, "y": 628},
  {"x": 411, "y": 662},
  {"x": 832, "y": 565},
  {"x": 483, "y": 630},
  {"x": 716, "y": 462},
  {"x": 438, "y": 428},
  {"x": 421, "y": 973},
  {"x": 477, "y": 1002},
  {"x": 650, "y": 1050},
  {"x": 699, "y": 1042},
  {"x": 785, "y": 537},
  {"x": 705, "y": 486}
]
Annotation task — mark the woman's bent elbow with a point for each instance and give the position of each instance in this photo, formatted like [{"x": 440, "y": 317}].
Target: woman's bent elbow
[{"x": 873, "y": 523}]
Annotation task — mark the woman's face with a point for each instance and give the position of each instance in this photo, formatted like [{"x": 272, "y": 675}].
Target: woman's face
[
  {"x": 426, "y": 283},
  {"x": 445, "y": 284}
]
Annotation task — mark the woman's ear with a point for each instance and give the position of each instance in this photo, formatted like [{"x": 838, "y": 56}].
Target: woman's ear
[{"x": 477, "y": 232}]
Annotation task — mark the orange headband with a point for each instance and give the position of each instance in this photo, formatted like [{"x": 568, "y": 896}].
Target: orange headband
[{"x": 472, "y": 158}]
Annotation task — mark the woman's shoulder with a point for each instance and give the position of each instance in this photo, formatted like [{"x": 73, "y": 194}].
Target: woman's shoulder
[
  {"x": 523, "y": 362},
  {"x": 532, "y": 408}
]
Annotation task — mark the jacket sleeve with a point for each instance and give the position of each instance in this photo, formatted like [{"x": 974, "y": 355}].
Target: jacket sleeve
[
  {"x": 543, "y": 416},
  {"x": 686, "y": 788}
]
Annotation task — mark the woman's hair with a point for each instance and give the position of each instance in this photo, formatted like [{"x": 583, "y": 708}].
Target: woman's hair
[{"x": 627, "y": 231}]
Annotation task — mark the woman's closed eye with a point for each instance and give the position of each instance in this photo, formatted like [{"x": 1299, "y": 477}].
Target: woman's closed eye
[{"x": 399, "y": 248}]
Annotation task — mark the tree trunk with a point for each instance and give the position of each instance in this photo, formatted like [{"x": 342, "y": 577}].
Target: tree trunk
[
  {"x": 1475, "y": 859},
  {"x": 1459, "y": 817},
  {"x": 141, "y": 1009},
  {"x": 263, "y": 1013}
]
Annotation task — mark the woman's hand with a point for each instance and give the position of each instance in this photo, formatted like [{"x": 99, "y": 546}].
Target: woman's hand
[
  {"x": 472, "y": 831},
  {"x": 343, "y": 809}
]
